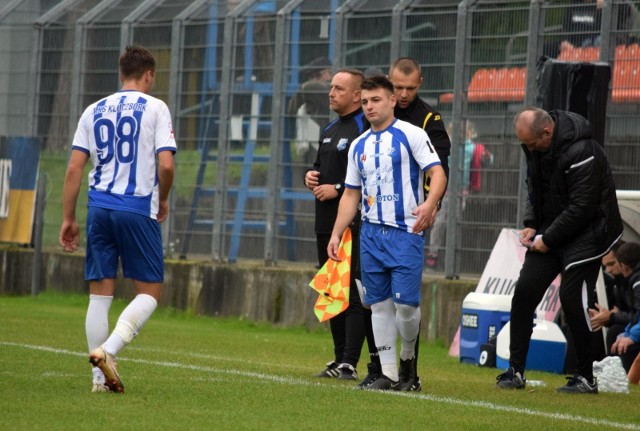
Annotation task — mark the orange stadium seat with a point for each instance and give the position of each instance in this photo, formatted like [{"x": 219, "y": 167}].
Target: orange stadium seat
[
  {"x": 567, "y": 54},
  {"x": 494, "y": 85},
  {"x": 625, "y": 86},
  {"x": 521, "y": 80},
  {"x": 509, "y": 84},
  {"x": 500, "y": 88},
  {"x": 589, "y": 54},
  {"x": 479, "y": 85},
  {"x": 514, "y": 84},
  {"x": 498, "y": 85},
  {"x": 446, "y": 98},
  {"x": 573, "y": 53}
]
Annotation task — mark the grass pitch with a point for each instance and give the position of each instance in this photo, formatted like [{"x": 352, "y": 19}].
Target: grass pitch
[{"x": 186, "y": 372}]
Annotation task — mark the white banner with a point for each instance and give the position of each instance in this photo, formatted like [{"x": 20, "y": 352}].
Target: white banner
[{"x": 503, "y": 268}]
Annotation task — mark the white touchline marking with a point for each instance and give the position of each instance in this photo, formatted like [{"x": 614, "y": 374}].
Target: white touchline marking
[
  {"x": 293, "y": 381},
  {"x": 216, "y": 357}
]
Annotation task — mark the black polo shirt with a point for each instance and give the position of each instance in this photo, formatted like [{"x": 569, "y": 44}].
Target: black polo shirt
[{"x": 332, "y": 161}]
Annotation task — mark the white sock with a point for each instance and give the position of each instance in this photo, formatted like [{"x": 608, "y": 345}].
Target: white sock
[
  {"x": 408, "y": 323},
  {"x": 98, "y": 376},
  {"x": 130, "y": 322},
  {"x": 386, "y": 336},
  {"x": 97, "y": 321}
]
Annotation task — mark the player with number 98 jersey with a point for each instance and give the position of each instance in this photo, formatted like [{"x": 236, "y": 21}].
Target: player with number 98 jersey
[{"x": 122, "y": 134}]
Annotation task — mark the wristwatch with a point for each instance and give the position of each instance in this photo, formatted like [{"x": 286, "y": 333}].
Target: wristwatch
[{"x": 338, "y": 187}]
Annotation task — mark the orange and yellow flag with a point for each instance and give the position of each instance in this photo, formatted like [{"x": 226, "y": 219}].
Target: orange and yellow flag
[{"x": 332, "y": 282}]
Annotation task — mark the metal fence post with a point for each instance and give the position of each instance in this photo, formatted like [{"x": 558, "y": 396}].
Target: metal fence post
[
  {"x": 397, "y": 27},
  {"x": 341, "y": 31},
  {"x": 283, "y": 17},
  {"x": 536, "y": 24},
  {"x": 464, "y": 24},
  {"x": 39, "y": 228}
]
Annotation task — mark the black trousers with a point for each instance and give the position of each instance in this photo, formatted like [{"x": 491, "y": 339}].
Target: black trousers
[
  {"x": 350, "y": 328},
  {"x": 537, "y": 273},
  {"x": 630, "y": 355}
]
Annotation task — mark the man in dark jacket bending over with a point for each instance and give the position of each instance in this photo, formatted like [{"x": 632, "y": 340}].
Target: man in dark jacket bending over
[{"x": 572, "y": 220}]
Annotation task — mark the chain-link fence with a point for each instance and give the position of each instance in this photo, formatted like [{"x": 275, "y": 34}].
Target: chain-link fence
[{"x": 229, "y": 70}]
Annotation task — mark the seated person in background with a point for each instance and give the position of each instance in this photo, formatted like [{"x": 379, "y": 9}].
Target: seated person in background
[
  {"x": 582, "y": 25},
  {"x": 621, "y": 310},
  {"x": 627, "y": 345},
  {"x": 310, "y": 106},
  {"x": 580, "y": 28}
]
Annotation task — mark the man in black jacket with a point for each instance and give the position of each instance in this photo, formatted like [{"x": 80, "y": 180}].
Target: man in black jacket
[
  {"x": 326, "y": 181},
  {"x": 572, "y": 220},
  {"x": 406, "y": 76}
]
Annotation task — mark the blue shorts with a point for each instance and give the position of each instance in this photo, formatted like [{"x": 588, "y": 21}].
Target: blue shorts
[
  {"x": 133, "y": 238},
  {"x": 391, "y": 261}
]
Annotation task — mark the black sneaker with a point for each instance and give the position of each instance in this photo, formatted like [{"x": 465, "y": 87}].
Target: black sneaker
[
  {"x": 373, "y": 373},
  {"x": 412, "y": 385},
  {"x": 347, "y": 372},
  {"x": 579, "y": 385},
  {"x": 511, "y": 379},
  {"x": 330, "y": 372},
  {"x": 409, "y": 381},
  {"x": 382, "y": 383}
]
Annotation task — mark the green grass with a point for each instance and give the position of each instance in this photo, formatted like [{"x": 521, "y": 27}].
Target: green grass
[{"x": 187, "y": 372}]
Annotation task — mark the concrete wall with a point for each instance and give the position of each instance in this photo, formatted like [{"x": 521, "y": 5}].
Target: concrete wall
[{"x": 279, "y": 295}]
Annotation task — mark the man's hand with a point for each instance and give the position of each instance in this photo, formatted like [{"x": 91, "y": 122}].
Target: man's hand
[
  {"x": 69, "y": 231},
  {"x": 426, "y": 212},
  {"x": 526, "y": 236},
  {"x": 69, "y": 236},
  {"x": 163, "y": 211},
  {"x": 425, "y": 217},
  {"x": 332, "y": 248},
  {"x": 538, "y": 245},
  {"x": 621, "y": 345},
  {"x": 311, "y": 179},
  {"x": 534, "y": 243},
  {"x": 599, "y": 317},
  {"x": 325, "y": 192}
]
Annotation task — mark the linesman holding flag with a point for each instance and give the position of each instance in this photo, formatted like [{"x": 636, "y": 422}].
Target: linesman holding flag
[{"x": 325, "y": 180}]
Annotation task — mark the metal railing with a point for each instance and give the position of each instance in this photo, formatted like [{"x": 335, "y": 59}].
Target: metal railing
[{"x": 227, "y": 70}]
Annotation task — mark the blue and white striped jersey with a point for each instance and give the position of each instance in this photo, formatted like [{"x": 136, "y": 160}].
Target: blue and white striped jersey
[
  {"x": 388, "y": 167},
  {"x": 122, "y": 134}
]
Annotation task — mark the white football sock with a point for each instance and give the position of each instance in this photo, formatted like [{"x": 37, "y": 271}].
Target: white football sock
[
  {"x": 98, "y": 376},
  {"x": 97, "y": 320},
  {"x": 408, "y": 322},
  {"x": 386, "y": 335},
  {"x": 130, "y": 322}
]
